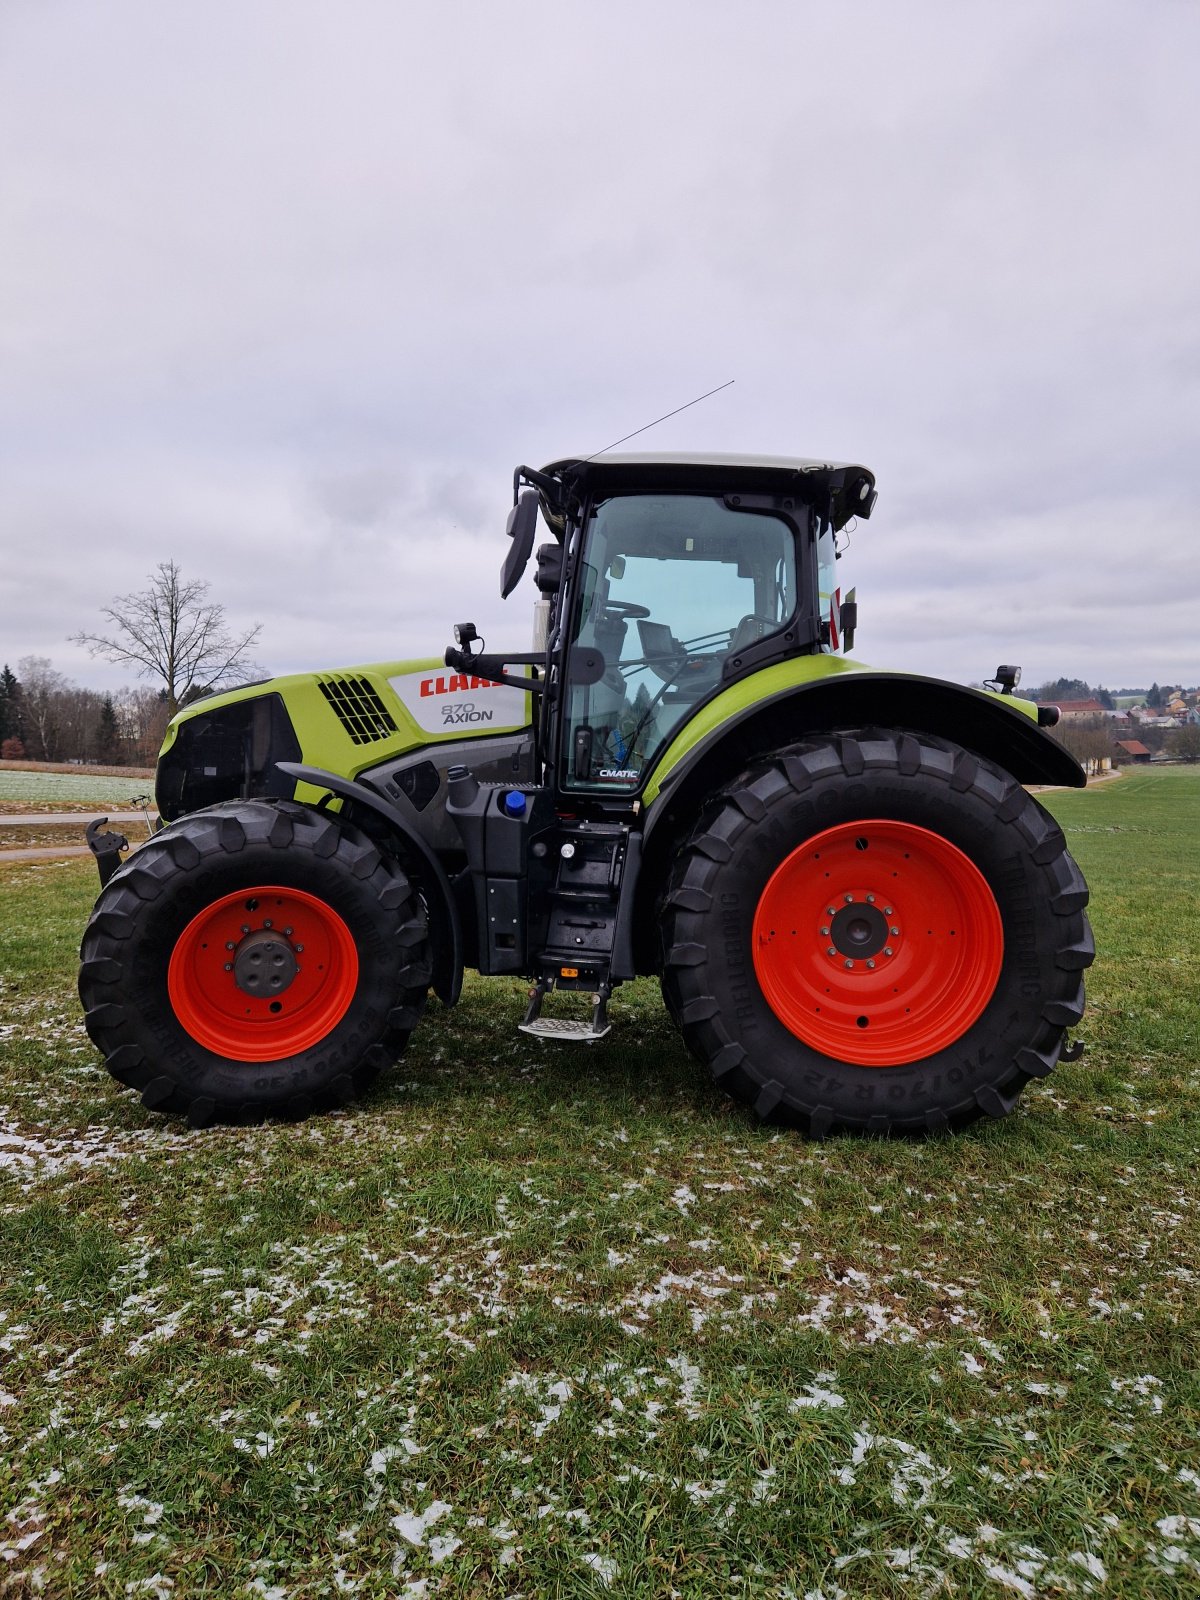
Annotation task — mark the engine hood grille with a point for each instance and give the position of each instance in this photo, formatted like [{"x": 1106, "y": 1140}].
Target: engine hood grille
[{"x": 356, "y": 704}]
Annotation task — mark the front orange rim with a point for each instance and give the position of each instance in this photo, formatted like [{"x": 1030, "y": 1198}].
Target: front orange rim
[
  {"x": 263, "y": 974},
  {"x": 878, "y": 943}
]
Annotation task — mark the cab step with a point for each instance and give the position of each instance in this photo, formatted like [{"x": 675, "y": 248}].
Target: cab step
[
  {"x": 566, "y": 1029},
  {"x": 567, "y": 1032}
]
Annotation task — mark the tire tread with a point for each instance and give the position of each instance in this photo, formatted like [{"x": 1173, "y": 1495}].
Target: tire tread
[
  {"x": 690, "y": 894},
  {"x": 110, "y": 945}
]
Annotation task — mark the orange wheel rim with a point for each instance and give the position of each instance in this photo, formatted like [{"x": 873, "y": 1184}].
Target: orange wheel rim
[
  {"x": 263, "y": 974},
  {"x": 878, "y": 943}
]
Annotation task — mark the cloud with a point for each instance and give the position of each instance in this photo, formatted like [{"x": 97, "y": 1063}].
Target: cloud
[{"x": 290, "y": 304}]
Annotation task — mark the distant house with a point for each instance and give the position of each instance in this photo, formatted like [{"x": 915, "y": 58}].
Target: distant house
[
  {"x": 1134, "y": 749},
  {"x": 1080, "y": 710}
]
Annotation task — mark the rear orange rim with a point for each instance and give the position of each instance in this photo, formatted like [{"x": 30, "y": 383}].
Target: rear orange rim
[
  {"x": 878, "y": 943},
  {"x": 263, "y": 974}
]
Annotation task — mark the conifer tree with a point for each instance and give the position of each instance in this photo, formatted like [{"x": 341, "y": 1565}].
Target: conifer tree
[
  {"x": 108, "y": 734},
  {"x": 10, "y": 705}
]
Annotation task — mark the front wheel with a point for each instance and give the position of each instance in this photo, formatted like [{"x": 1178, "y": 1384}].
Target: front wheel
[
  {"x": 879, "y": 932},
  {"x": 257, "y": 958}
]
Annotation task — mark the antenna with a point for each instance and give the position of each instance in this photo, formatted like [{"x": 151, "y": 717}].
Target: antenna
[{"x": 656, "y": 422}]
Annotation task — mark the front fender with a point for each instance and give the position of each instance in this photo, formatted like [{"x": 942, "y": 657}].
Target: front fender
[{"x": 445, "y": 925}]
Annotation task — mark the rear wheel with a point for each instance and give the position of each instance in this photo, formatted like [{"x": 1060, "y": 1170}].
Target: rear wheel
[
  {"x": 879, "y": 932},
  {"x": 256, "y": 958}
]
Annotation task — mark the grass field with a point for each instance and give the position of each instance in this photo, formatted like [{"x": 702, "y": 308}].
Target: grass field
[
  {"x": 63, "y": 791},
  {"x": 540, "y": 1321}
]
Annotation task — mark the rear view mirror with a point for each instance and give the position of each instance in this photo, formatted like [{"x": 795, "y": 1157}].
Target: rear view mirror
[{"x": 522, "y": 522}]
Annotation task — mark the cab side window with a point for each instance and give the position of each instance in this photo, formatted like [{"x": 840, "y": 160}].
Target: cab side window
[{"x": 672, "y": 584}]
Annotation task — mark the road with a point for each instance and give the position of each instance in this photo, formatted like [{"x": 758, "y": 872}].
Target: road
[{"x": 52, "y": 819}]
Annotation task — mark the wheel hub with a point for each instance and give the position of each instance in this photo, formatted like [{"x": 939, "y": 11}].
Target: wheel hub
[
  {"x": 265, "y": 964},
  {"x": 859, "y": 930}
]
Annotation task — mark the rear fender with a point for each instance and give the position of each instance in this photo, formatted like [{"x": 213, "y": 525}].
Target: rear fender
[
  {"x": 977, "y": 721},
  {"x": 445, "y": 924},
  {"x": 982, "y": 723}
]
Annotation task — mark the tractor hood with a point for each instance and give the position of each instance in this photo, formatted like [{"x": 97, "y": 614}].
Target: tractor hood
[{"x": 345, "y": 722}]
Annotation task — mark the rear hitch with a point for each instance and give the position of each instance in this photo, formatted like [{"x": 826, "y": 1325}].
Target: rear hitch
[{"x": 106, "y": 847}]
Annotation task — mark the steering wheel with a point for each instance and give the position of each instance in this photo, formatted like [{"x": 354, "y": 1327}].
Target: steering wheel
[{"x": 625, "y": 609}]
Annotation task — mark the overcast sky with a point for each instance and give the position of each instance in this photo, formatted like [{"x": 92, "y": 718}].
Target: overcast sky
[{"x": 287, "y": 290}]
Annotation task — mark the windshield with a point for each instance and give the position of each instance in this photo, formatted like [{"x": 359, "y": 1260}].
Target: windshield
[{"x": 671, "y": 586}]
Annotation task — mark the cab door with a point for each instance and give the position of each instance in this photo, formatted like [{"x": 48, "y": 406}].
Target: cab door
[{"x": 668, "y": 588}]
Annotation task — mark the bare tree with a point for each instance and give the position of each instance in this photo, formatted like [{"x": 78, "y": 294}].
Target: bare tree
[
  {"x": 142, "y": 722},
  {"x": 173, "y": 633},
  {"x": 42, "y": 691},
  {"x": 1184, "y": 743},
  {"x": 1086, "y": 738}
]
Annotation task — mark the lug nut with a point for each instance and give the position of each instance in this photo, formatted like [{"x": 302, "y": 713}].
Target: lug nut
[
  {"x": 299, "y": 949},
  {"x": 832, "y": 951},
  {"x": 848, "y": 965},
  {"x": 871, "y": 966},
  {"x": 245, "y": 927},
  {"x": 870, "y": 899},
  {"x": 229, "y": 945},
  {"x": 824, "y": 935},
  {"x": 266, "y": 922},
  {"x": 830, "y": 911},
  {"x": 895, "y": 932},
  {"x": 229, "y": 966},
  {"x": 887, "y": 911},
  {"x": 849, "y": 899},
  {"x": 287, "y": 933},
  {"x": 887, "y": 950}
]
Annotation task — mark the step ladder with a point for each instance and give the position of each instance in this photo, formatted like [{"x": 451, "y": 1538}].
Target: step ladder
[{"x": 580, "y": 929}]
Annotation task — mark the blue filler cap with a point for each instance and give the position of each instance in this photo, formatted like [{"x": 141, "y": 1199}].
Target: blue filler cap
[{"x": 514, "y": 804}]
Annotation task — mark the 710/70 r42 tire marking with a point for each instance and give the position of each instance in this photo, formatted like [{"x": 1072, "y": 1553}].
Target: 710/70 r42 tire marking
[{"x": 747, "y": 962}]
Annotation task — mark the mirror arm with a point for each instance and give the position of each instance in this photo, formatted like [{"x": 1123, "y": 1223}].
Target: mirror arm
[
  {"x": 550, "y": 487},
  {"x": 494, "y": 670}
]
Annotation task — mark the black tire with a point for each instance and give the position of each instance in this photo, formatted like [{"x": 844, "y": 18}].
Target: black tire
[
  {"x": 141, "y": 948},
  {"x": 1030, "y": 994}
]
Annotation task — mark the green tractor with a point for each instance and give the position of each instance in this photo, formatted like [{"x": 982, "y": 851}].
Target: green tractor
[{"x": 860, "y": 917}]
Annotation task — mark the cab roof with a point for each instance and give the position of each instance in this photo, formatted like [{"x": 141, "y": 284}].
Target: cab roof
[{"x": 839, "y": 489}]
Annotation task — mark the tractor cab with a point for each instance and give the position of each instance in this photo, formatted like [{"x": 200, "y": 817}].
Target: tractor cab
[
  {"x": 670, "y": 578},
  {"x": 668, "y": 591}
]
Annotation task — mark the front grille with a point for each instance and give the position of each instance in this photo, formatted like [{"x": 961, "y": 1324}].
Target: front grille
[
  {"x": 231, "y": 751},
  {"x": 358, "y": 708}
]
